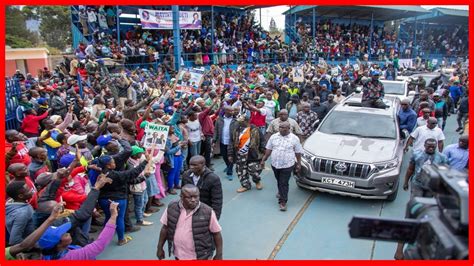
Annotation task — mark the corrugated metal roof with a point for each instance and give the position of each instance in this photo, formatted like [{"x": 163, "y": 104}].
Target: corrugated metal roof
[
  {"x": 453, "y": 12},
  {"x": 381, "y": 13}
]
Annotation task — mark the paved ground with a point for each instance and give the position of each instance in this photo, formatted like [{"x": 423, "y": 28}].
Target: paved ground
[{"x": 315, "y": 226}]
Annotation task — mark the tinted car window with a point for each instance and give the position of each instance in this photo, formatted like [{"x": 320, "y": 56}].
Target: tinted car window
[
  {"x": 364, "y": 125},
  {"x": 394, "y": 88}
]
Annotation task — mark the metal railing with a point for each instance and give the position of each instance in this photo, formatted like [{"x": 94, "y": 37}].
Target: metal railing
[{"x": 12, "y": 98}]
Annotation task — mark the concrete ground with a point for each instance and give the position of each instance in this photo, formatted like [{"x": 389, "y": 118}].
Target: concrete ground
[{"x": 315, "y": 227}]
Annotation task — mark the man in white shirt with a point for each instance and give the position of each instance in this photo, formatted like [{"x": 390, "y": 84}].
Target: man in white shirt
[
  {"x": 285, "y": 149},
  {"x": 421, "y": 134}
]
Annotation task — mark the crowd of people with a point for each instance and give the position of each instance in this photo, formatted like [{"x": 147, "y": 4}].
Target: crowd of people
[
  {"x": 80, "y": 155},
  {"x": 238, "y": 38}
]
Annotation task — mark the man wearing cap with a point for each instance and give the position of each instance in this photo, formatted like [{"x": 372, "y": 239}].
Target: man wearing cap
[
  {"x": 441, "y": 110},
  {"x": 406, "y": 117},
  {"x": 373, "y": 92},
  {"x": 56, "y": 242},
  {"x": 246, "y": 149}
]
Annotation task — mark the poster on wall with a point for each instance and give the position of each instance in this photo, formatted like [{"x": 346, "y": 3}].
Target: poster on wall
[{"x": 163, "y": 19}]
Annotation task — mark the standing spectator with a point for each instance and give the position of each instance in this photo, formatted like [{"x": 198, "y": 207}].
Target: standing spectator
[
  {"x": 455, "y": 92},
  {"x": 188, "y": 239},
  {"x": 208, "y": 130},
  {"x": 246, "y": 149},
  {"x": 406, "y": 117},
  {"x": 285, "y": 149},
  {"x": 306, "y": 119},
  {"x": 463, "y": 113},
  {"x": 225, "y": 126},
  {"x": 458, "y": 154},
  {"x": 209, "y": 184},
  {"x": 195, "y": 134},
  {"x": 320, "y": 109},
  {"x": 339, "y": 97},
  {"x": 441, "y": 110},
  {"x": 421, "y": 134},
  {"x": 283, "y": 117}
]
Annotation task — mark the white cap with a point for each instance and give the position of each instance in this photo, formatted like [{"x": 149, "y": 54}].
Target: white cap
[{"x": 73, "y": 139}]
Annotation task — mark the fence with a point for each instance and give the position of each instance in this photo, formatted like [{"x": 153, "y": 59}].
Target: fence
[{"x": 12, "y": 94}]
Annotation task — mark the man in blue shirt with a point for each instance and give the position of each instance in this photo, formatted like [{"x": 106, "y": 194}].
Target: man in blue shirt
[
  {"x": 406, "y": 116},
  {"x": 455, "y": 92},
  {"x": 458, "y": 154},
  {"x": 418, "y": 159}
]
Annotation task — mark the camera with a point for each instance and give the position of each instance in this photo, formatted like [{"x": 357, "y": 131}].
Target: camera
[{"x": 436, "y": 228}]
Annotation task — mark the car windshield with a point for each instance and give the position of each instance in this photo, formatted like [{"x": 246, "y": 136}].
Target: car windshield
[
  {"x": 397, "y": 88},
  {"x": 364, "y": 125}
]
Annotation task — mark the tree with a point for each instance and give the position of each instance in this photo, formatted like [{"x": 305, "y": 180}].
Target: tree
[
  {"x": 17, "y": 35},
  {"x": 55, "y": 24}
]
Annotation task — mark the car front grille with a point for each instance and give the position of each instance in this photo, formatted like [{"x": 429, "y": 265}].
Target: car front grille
[{"x": 355, "y": 170}]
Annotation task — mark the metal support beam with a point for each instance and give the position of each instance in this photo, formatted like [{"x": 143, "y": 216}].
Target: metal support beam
[
  {"x": 118, "y": 23},
  {"x": 414, "y": 38},
  {"x": 314, "y": 23},
  {"x": 212, "y": 34},
  {"x": 371, "y": 34},
  {"x": 176, "y": 38}
]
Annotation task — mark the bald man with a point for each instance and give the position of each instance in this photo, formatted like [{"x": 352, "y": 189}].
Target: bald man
[
  {"x": 406, "y": 117},
  {"x": 274, "y": 126},
  {"x": 207, "y": 181},
  {"x": 421, "y": 134},
  {"x": 458, "y": 154}
]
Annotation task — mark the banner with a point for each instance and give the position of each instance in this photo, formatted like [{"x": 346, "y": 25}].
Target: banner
[
  {"x": 189, "y": 79},
  {"x": 163, "y": 19},
  {"x": 156, "y": 136}
]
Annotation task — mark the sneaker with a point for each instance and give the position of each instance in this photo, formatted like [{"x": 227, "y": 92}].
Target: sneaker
[
  {"x": 282, "y": 207},
  {"x": 157, "y": 203},
  {"x": 144, "y": 223},
  {"x": 172, "y": 192},
  {"x": 458, "y": 129},
  {"x": 242, "y": 189},
  {"x": 259, "y": 186},
  {"x": 146, "y": 214},
  {"x": 152, "y": 210},
  {"x": 132, "y": 229},
  {"x": 230, "y": 177}
]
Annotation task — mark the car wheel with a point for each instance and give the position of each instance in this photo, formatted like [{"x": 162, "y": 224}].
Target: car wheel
[{"x": 393, "y": 196}]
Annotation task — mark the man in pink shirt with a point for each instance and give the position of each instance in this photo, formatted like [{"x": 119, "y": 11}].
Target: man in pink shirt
[{"x": 191, "y": 228}]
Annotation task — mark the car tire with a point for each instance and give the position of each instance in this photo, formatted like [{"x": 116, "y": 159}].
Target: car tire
[{"x": 393, "y": 196}]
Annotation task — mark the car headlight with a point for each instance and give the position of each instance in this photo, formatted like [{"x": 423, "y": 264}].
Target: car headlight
[
  {"x": 307, "y": 156},
  {"x": 387, "y": 165}
]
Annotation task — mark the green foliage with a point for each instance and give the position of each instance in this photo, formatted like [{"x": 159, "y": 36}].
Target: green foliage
[
  {"x": 55, "y": 24},
  {"x": 17, "y": 42},
  {"x": 17, "y": 35}
]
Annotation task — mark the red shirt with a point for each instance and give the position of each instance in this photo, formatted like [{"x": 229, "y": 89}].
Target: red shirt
[
  {"x": 21, "y": 155},
  {"x": 206, "y": 123},
  {"x": 31, "y": 123},
  {"x": 257, "y": 119}
]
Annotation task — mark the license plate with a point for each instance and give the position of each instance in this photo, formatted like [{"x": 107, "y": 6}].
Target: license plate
[{"x": 337, "y": 182}]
